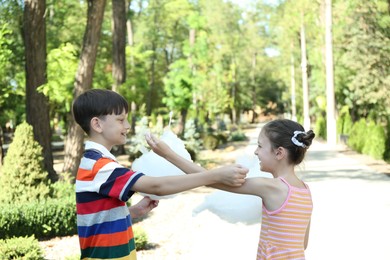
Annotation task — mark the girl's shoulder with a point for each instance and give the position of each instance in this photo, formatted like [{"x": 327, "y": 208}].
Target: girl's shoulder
[{"x": 264, "y": 187}]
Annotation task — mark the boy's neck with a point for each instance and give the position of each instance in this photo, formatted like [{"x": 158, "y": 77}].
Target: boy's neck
[{"x": 98, "y": 139}]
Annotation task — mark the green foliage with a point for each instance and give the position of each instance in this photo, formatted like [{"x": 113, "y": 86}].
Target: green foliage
[
  {"x": 320, "y": 128},
  {"x": 23, "y": 177},
  {"x": 344, "y": 121},
  {"x": 387, "y": 145},
  {"x": 61, "y": 69},
  {"x": 368, "y": 139},
  {"x": 43, "y": 219},
  {"x": 237, "y": 136},
  {"x": 210, "y": 142},
  {"x": 358, "y": 135},
  {"x": 366, "y": 58},
  {"x": 178, "y": 86},
  {"x": 141, "y": 238},
  {"x": 375, "y": 144},
  {"x": 192, "y": 140},
  {"x": 347, "y": 126},
  {"x": 21, "y": 248},
  {"x": 63, "y": 189}
]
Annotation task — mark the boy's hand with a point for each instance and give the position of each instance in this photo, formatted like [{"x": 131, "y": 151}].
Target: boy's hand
[
  {"x": 143, "y": 207},
  {"x": 233, "y": 175},
  {"x": 158, "y": 146}
]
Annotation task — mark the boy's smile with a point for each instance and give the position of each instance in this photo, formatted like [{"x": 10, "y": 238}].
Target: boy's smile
[{"x": 113, "y": 129}]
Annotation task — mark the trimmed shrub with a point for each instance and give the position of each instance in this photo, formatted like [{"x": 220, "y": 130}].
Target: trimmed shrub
[
  {"x": 376, "y": 141},
  {"x": 387, "y": 152},
  {"x": 320, "y": 128},
  {"x": 210, "y": 142},
  {"x": 45, "y": 219},
  {"x": 23, "y": 176},
  {"x": 21, "y": 248},
  {"x": 358, "y": 135},
  {"x": 237, "y": 136},
  {"x": 141, "y": 238},
  {"x": 347, "y": 126}
]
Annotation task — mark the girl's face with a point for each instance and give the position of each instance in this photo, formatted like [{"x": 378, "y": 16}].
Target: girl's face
[
  {"x": 265, "y": 153},
  {"x": 115, "y": 129}
]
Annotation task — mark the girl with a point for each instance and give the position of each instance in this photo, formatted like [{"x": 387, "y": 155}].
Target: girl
[{"x": 287, "y": 203}]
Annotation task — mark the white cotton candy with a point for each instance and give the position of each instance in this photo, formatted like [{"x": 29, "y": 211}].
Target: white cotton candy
[
  {"x": 152, "y": 164},
  {"x": 234, "y": 207}
]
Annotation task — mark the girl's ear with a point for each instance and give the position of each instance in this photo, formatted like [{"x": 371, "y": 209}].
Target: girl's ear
[
  {"x": 281, "y": 153},
  {"x": 95, "y": 125}
]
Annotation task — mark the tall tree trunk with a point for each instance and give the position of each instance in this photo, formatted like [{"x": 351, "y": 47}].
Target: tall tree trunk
[
  {"x": 305, "y": 84},
  {"x": 119, "y": 49},
  {"x": 331, "y": 135},
  {"x": 118, "y": 43},
  {"x": 152, "y": 80},
  {"x": 74, "y": 141},
  {"x": 254, "y": 59},
  {"x": 130, "y": 42},
  {"x": 37, "y": 104},
  {"x": 293, "y": 88}
]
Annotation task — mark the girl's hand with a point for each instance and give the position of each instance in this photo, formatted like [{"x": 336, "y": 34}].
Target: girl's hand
[{"x": 158, "y": 146}]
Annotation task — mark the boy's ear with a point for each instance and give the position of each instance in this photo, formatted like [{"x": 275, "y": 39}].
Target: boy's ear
[{"x": 95, "y": 125}]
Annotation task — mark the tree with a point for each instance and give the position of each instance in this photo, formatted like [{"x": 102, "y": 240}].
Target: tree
[
  {"x": 84, "y": 76},
  {"x": 118, "y": 43},
  {"x": 330, "y": 96},
  {"x": 23, "y": 175},
  {"x": 37, "y": 104}
]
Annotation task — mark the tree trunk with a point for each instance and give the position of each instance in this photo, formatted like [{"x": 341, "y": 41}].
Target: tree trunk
[
  {"x": 119, "y": 49},
  {"x": 305, "y": 84},
  {"x": 74, "y": 141},
  {"x": 152, "y": 82},
  {"x": 293, "y": 89},
  {"x": 37, "y": 104},
  {"x": 130, "y": 42},
  {"x": 118, "y": 43},
  {"x": 331, "y": 135},
  {"x": 182, "y": 122},
  {"x": 254, "y": 115}
]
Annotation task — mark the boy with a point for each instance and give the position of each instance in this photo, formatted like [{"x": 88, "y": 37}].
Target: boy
[{"x": 103, "y": 185}]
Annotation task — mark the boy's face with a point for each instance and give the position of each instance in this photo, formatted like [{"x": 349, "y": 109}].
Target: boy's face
[{"x": 114, "y": 129}]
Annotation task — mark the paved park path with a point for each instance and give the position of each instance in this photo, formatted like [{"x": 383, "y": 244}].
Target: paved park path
[{"x": 351, "y": 215}]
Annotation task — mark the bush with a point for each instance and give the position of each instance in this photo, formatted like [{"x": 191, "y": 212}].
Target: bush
[
  {"x": 141, "y": 238},
  {"x": 237, "y": 136},
  {"x": 358, "y": 135},
  {"x": 320, "y": 128},
  {"x": 23, "y": 176},
  {"x": 43, "y": 219},
  {"x": 63, "y": 190},
  {"x": 20, "y": 248},
  {"x": 376, "y": 141},
  {"x": 210, "y": 142},
  {"x": 387, "y": 152}
]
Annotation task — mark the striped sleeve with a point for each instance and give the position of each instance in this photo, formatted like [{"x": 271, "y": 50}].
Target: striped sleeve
[{"x": 106, "y": 177}]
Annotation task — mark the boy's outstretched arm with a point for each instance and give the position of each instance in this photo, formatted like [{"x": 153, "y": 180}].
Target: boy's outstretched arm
[
  {"x": 233, "y": 175},
  {"x": 254, "y": 186}
]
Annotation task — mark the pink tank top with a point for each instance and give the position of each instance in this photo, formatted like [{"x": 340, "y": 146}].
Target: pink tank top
[{"x": 283, "y": 230}]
